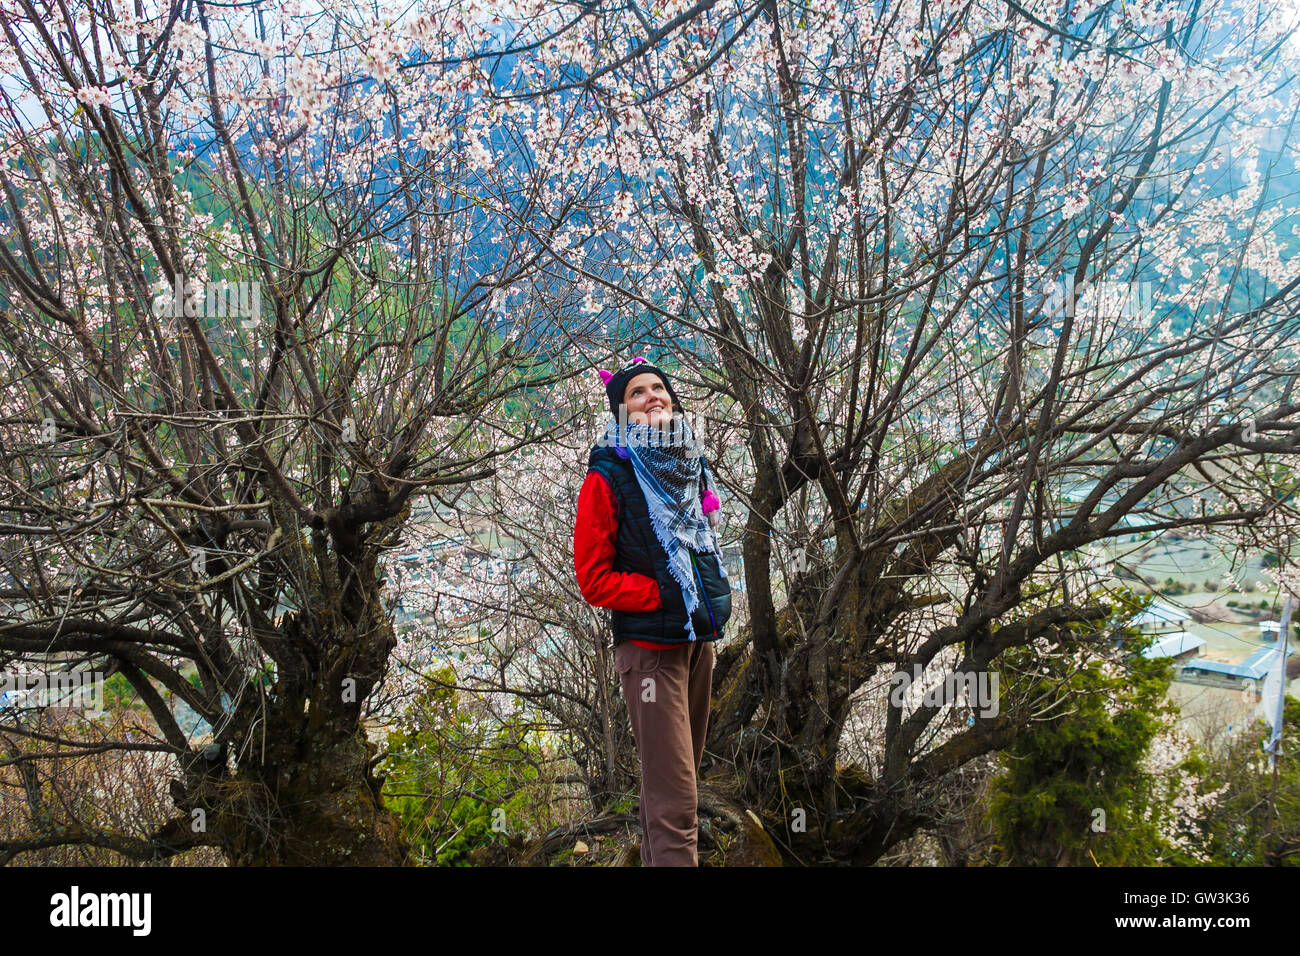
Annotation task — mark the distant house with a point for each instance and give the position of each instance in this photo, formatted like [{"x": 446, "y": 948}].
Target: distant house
[
  {"x": 1160, "y": 618},
  {"x": 1179, "y": 645},
  {"x": 1219, "y": 674}
]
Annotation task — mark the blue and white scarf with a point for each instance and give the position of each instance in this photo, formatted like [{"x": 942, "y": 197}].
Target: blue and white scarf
[{"x": 669, "y": 468}]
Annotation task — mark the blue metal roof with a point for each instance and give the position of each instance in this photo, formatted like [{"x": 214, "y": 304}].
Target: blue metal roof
[
  {"x": 1179, "y": 642},
  {"x": 1160, "y": 613},
  {"x": 1264, "y": 653},
  {"x": 1254, "y": 667},
  {"x": 1216, "y": 667}
]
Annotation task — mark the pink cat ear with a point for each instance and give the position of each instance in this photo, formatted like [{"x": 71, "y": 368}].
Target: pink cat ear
[
  {"x": 639, "y": 358},
  {"x": 605, "y": 375}
]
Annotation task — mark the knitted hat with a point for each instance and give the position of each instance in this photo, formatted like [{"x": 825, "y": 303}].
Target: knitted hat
[
  {"x": 616, "y": 385},
  {"x": 616, "y": 382}
]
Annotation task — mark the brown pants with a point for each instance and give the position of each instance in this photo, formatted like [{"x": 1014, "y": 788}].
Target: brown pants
[{"x": 667, "y": 694}]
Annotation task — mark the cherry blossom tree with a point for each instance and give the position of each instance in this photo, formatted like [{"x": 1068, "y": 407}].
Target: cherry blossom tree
[
  {"x": 274, "y": 273},
  {"x": 979, "y": 288},
  {"x": 989, "y": 286}
]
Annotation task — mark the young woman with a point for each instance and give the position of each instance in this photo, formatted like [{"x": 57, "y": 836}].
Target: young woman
[{"x": 644, "y": 548}]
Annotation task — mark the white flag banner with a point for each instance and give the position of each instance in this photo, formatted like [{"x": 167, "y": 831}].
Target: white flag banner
[
  {"x": 1275, "y": 686},
  {"x": 1272, "y": 687}
]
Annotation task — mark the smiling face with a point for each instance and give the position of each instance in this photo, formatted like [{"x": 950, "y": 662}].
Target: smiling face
[{"x": 648, "y": 401}]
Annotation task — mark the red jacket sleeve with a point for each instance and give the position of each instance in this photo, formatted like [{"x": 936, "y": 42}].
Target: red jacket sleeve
[{"x": 593, "y": 554}]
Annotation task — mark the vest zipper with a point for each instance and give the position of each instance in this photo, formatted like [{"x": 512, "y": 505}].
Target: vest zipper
[{"x": 704, "y": 594}]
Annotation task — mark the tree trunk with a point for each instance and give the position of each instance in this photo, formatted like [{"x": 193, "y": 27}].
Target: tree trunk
[
  {"x": 303, "y": 791},
  {"x": 311, "y": 800}
]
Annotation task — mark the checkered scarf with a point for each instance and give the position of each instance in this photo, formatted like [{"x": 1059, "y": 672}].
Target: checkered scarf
[{"x": 669, "y": 467}]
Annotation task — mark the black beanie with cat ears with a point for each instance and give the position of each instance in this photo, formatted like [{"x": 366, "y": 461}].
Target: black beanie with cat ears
[{"x": 616, "y": 382}]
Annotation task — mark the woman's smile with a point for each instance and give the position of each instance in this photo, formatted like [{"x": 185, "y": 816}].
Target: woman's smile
[{"x": 647, "y": 401}]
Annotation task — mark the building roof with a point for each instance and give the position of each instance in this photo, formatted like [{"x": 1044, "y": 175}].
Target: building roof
[
  {"x": 1159, "y": 614},
  {"x": 1216, "y": 667},
  {"x": 1172, "y": 645},
  {"x": 1264, "y": 654},
  {"x": 1254, "y": 667}
]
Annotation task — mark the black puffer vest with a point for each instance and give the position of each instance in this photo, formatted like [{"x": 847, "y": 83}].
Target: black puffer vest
[{"x": 639, "y": 551}]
